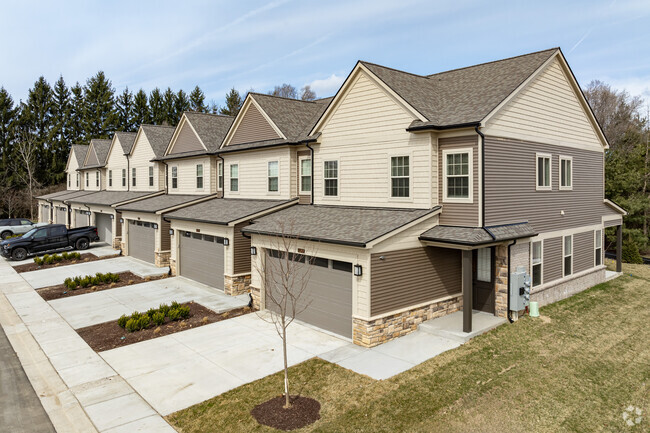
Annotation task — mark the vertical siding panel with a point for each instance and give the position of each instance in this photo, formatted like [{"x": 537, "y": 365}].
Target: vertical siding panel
[
  {"x": 242, "y": 250},
  {"x": 253, "y": 127},
  {"x": 459, "y": 214},
  {"x": 186, "y": 140},
  {"x": 165, "y": 238}
]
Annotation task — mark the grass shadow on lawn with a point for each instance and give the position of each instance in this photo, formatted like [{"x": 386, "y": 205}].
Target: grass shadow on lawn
[{"x": 577, "y": 368}]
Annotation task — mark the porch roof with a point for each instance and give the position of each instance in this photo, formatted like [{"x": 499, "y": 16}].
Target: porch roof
[
  {"x": 62, "y": 195},
  {"x": 225, "y": 210},
  {"x": 108, "y": 198},
  {"x": 160, "y": 202},
  {"x": 478, "y": 235}
]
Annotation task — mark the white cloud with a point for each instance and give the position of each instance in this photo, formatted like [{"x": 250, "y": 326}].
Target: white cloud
[
  {"x": 635, "y": 86},
  {"x": 328, "y": 86}
]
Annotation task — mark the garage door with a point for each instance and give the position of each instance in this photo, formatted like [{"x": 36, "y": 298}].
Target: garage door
[
  {"x": 61, "y": 215},
  {"x": 142, "y": 241},
  {"x": 81, "y": 219},
  {"x": 201, "y": 258},
  {"x": 104, "y": 225},
  {"x": 327, "y": 296},
  {"x": 45, "y": 214}
]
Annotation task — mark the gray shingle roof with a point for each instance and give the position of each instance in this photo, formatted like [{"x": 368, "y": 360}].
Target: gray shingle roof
[
  {"x": 224, "y": 210},
  {"x": 478, "y": 235},
  {"x": 107, "y": 198},
  {"x": 62, "y": 195},
  {"x": 127, "y": 139},
  {"x": 79, "y": 152},
  {"x": 159, "y": 137},
  {"x": 461, "y": 96},
  {"x": 159, "y": 202},
  {"x": 211, "y": 128},
  {"x": 354, "y": 226}
]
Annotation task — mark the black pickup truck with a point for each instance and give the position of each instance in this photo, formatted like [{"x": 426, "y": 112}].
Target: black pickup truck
[{"x": 47, "y": 238}]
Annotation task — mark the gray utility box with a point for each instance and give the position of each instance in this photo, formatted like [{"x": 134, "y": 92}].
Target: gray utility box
[{"x": 519, "y": 289}]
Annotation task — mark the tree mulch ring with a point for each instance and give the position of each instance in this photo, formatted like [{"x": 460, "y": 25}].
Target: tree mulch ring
[
  {"x": 87, "y": 257},
  {"x": 109, "y": 335},
  {"x": 61, "y": 291},
  {"x": 303, "y": 412}
]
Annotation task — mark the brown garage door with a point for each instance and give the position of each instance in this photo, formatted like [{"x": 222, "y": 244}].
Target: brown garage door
[
  {"x": 327, "y": 297},
  {"x": 201, "y": 258},
  {"x": 142, "y": 241},
  {"x": 61, "y": 215},
  {"x": 81, "y": 219}
]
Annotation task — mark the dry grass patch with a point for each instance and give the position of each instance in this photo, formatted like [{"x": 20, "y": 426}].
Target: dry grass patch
[{"x": 577, "y": 369}]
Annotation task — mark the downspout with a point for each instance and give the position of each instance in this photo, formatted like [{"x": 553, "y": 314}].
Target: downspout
[
  {"x": 478, "y": 131},
  {"x": 223, "y": 175},
  {"x": 311, "y": 199},
  {"x": 166, "y": 177},
  {"x": 128, "y": 173},
  {"x": 508, "y": 285}
]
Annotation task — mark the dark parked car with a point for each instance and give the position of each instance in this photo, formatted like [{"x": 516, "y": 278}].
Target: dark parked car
[{"x": 47, "y": 238}]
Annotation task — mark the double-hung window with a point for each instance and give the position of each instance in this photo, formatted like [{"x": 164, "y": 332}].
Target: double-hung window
[
  {"x": 77, "y": 180},
  {"x": 87, "y": 179},
  {"x": 566, "y": 172},
  {"x": 457, "y": 177},
  {"x": 133, "y": 176},
  {"x": 399, "y": 176},
  {"x": 97, "y": 179},
  {"x": 543, "y": 169},
  {"x": 110, "y": 177},
  {"x": 234, "y": 177},
  {"x": 174, "y": 177},
  {"x": 68, "y": 181},
  {"x": 536, "y": 262},
  {"x": 567, "y": 254},
  {"x": 151, "y": 176},
  {"x": 220, "y": 175},
  {"x": 305, "y": 176},
  {"x": 124, "y": 177},
  {"x": 331, "y": 178},
  {"x": 598, "y": 247},
  {"x": 199, "y": 176},
  {"x": 272, "y": 176}
]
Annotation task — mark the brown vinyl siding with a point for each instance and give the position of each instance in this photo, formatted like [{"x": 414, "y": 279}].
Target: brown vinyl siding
[
  {"x": 253, "y": 127},
  {"x": 304, "y": 199},
  {"x": 186, "y": 141},
  {"x": 552, "y": 264},
  {"x": 241, "y": 250},
  {"x": 413, "y": 276},
  {"x": 165, "y": 238},
  {"x": 583, "y": 251},
  {"x": 510, "y": 186},
  {"x": 459, "y": 214},
  {"x": 118, "y": 224},
  {"x": 92, "y": 158}
]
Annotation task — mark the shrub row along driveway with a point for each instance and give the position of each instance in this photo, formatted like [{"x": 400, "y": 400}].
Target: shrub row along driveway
[{"x": 578, "y": 368}]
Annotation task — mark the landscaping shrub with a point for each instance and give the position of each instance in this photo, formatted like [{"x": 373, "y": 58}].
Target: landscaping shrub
[
  {"x": 184, "y": 311},
  {"x": 631, "y": 253},
  {"x": 122, "y": 320},
  {"x": 164, "y": 308},
  {"x": 154, "y": 316},
  {"x": 48, "y": 259},
  {"x": 175, "y": 304},
  {"x": 144, "y": 321},
  {"x": 89, "y": 280},
  {"x": 132, "y": 325},
  {"x": 158, "y": 318},
  {"x": 174, "y": 314},
  {"x": 151, "y": 312}
]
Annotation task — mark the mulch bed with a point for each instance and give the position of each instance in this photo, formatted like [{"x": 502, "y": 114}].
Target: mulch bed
[
  {"x": 61, "y": 291},
  {"x": 303, "y": 411},
  {"x": 109, "y": 335},
  {"x": 87, "y": 257}
]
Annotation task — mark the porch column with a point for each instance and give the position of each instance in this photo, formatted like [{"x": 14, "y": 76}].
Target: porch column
[
  {"x": 619, "y": 248},
  {"x": 467, "y": 290}
]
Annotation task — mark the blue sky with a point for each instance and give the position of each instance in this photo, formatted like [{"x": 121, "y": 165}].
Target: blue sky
[{"x": 258, "y": 44}]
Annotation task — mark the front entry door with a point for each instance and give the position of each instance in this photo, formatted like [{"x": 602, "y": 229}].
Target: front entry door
[{"x": 483, "y": 280}]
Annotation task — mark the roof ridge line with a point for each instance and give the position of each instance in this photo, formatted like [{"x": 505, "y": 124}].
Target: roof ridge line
[
  {"x": 209, "y": 114},
  {"x": 393, "y": 69},
  {"x": 284, "y": 97}
]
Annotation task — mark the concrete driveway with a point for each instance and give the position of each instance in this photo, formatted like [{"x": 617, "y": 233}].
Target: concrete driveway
[
  {"x": 92, "y": 308},
  {"x": 53, "y": 276},
  {"x": 201, "y": 363}
]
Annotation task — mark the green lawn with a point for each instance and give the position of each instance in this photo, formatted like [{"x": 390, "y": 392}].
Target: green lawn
[{"x": 574, "y": 369}]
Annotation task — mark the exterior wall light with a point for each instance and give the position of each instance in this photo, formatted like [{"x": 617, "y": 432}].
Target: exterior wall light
[
  {"x": 121, "y": 220},
  {"x": 171, "y": 232},
  {"x": 154, "y": 225},
  {"x": 358, "y": 271},
  {"x": 112, "y": 217},
  {"x": 253, "y": 251},
  {"x": 226, "y": 242}
]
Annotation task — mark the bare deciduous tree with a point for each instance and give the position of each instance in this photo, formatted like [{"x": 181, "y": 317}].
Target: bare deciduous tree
[
  {"x": 306, "y": 94},
  {"x": 25, "y": 166},
  {"x": 284, "y": 275}
]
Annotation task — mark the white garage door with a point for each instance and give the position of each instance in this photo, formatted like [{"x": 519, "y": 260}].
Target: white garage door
[
  {"x": 45, "y": 214},
  {"x": 201, "y": 258},
  {"x": 61, "y": 215},
  {"x": 142, "y": 241},
  {"x": 327, "y": 296},
  {"x": 104, "y": 225},
  {"x": 81, "y": 219}
]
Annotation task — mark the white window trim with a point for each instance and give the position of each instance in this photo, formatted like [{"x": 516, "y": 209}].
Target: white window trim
[
  {"x": 559, "y": 173},
  {"x": 77, "y": 180},
  {"x": 268, "y": 191},
  {"x": 134, "y": 176},
  {"x": 470, "y": 160},
  {"x": 541, "y": 262},
  {"x": 87, "y": 180},
  {"x": 550, "y": 172},
  {"x": 110, "y": 178},
  {"x": 601, "y": 246},
  {"x": 565, "y": 255},
  {"x": 410, "y": 176},
  {"x": 338, "y": 180},
  {"x": 151, "y": 178},
  {"x": 174, "y": 177},
  {"x": 220, "y": 170},
  {"x": 196, "y": 176},
  {"x": 124, "y": 178},
  {"x": 230, "y": 191},
  {"x": 300, "y": 160}
]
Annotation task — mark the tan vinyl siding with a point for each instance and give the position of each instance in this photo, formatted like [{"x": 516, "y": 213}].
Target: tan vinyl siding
[
  {"x": 510, "y": 194},
  {"x": 242, "y": 250},
  {"x": 547, "y": 110},
  {"x": 413, "y": 276},
  {"x": 72, "y": 173},
  {"x": 459, "y": 214},
  {"x": 362, "y": 133},
  {"x": 583, "y": 251},
  {"x": 92, "y": 157},
  {"x": 253, "y": 172},
  {"x": 552, "y": 261},
  {"x": 253, "y": 127},
  {"x": 141, "y": 157},
  {"x": 186, "y": 141},
  {"x": 116, "y": 161},
  {"x": 92, "y": 181},
  {"x": 165, "y": 238},
  {"x": 302, "y": 198},
  {"x": 187, "y": 176}
]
